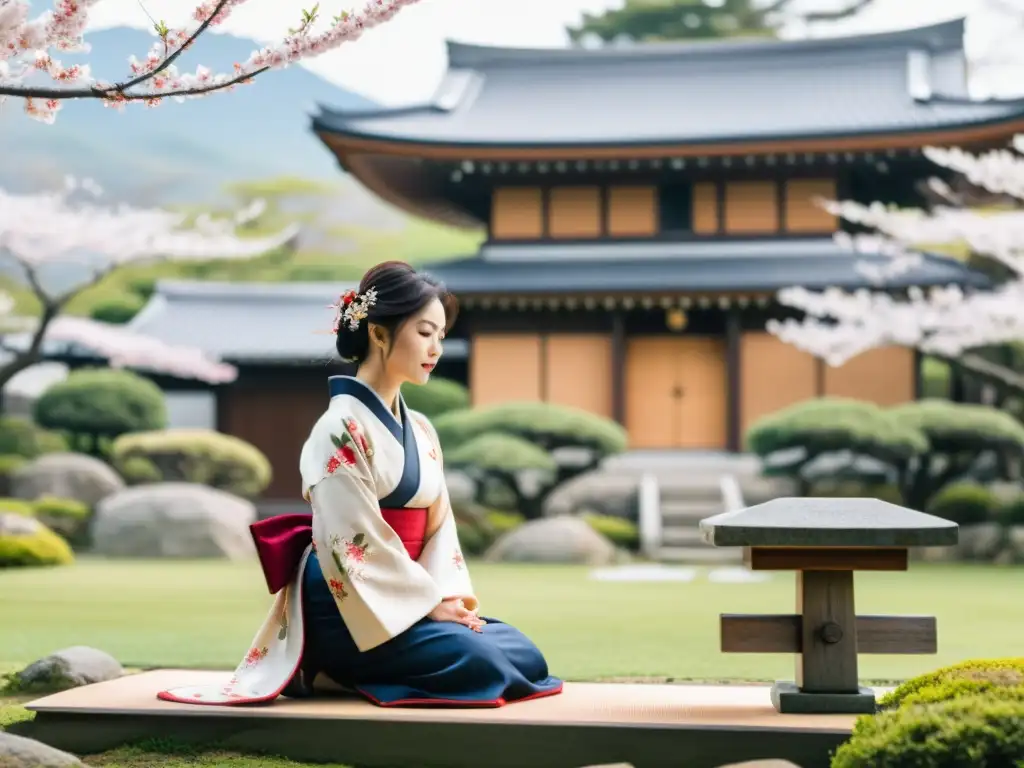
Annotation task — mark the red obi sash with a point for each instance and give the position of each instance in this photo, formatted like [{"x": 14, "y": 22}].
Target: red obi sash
[{"x": 281, "y": 540}]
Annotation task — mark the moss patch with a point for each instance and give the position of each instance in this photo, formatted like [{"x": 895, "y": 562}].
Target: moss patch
[{"x": 167, "y": 754}]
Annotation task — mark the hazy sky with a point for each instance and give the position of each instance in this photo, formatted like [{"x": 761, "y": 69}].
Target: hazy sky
[{"x": 403, "y": 61}]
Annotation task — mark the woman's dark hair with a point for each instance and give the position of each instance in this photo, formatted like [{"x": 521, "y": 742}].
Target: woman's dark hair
[{"x": 401, "y": 293}]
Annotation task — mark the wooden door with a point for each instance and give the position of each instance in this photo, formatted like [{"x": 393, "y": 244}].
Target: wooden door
[
  {"x": 676, "y": 393},
  {"x": 277, "y": 420}
]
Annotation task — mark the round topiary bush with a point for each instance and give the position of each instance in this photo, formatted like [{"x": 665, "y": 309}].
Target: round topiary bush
[
  {"x": 976, "y": 730},
  {"x": 119, "y": 309},
  {"x": 24, "y": 541},
  {"x": 9, "y": 464},
  {"x": 200, "y": 456},
  {"x": 102, "y": 403},
  {"x": 621, "y": 532},
  {"x": 17, "y": 507},
  {"x": 67, "y": 517},
  {"x": 436, "y": 397},
  {"x": 956, "y": 681},
  {"x": 964, "y": 503},
  {"x": 1010, "y": 513},
  {"x": 21, "y": 437}
]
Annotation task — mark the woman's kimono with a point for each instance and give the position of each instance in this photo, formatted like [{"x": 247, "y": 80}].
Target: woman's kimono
[{"x": 385, "y": 554}]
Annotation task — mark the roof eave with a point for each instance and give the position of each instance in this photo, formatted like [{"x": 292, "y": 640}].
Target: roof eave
[{"x": 357, "y": 141}]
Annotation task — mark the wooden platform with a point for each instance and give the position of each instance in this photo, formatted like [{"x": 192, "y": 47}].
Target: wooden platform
[{"x": 649, "y": 726}]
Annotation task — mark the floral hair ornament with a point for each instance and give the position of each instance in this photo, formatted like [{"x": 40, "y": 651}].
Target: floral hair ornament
[{"x": 352, "y": 308}]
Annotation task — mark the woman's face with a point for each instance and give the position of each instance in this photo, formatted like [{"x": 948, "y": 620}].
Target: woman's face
[{"x": 416, "y": 347}]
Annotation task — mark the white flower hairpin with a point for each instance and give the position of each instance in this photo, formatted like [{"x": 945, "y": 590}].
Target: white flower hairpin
[{"x": 352, "y": 308}]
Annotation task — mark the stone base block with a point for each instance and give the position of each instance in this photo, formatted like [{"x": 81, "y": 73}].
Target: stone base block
[{"x": 788, "y": 699}]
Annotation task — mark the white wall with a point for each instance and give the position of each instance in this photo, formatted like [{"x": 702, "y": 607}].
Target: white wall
[{"x": 191, "y": 410}]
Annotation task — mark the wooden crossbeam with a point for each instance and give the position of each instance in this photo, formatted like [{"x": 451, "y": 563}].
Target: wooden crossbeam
[
  {"x": 781, "y": 633},
  {"x": 826, "y": 559}
]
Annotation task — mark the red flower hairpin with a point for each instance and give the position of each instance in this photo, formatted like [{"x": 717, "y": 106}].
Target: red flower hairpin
[{"x": 352, "y": 308}]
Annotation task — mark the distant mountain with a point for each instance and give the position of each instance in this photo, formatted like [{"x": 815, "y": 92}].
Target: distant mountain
[{"x": 176, "y": 152}]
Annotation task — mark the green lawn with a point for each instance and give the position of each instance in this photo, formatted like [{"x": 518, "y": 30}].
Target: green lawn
[{"x": 203, "y": 614}]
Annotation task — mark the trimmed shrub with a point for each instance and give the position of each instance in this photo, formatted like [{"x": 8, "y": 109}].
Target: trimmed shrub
[
  {"x": 102, "y": 403},
  {"x": 852, "y": 489},
  {"x": 17, "y": 507},
  {"x": 192, "y": 456},
  {"x": 21, "y": 437},
  {"x": 976, "y": 730},
  {"x": 963, "y": 503},
  {"x": 436, "y": 397},
  {"x": 957, "y": 681},
  {"x": 39, "y": 547},
  {"x": 543, "y": 425},
  {"x": 119, "y": 309},
  {"x": 503, "y": 522},
  {"x": 1011, "y": 512},
  {"x": 621, "y": 532},
  {"x": 66, "y": 517},
  {"x": 9, "y": 464}
]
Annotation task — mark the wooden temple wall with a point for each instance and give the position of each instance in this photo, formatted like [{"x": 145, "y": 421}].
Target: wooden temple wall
[
  {"x": 677, "y": 387},
  {"x": 741, "y": 207}
]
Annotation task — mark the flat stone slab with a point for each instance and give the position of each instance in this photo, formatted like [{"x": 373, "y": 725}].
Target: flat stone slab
[
  {"x": 788, "y": 699},
  {"x": 814, "y": 522}
]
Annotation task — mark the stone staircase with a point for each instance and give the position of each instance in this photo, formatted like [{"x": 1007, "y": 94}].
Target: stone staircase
[{"x": 689, "y": 489}]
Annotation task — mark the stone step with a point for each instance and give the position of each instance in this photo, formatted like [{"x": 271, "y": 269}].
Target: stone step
[
  {"x": 689, "y": 512},
  {"x": 702, "y": 555},
  {"x": 681, "y": 536}
]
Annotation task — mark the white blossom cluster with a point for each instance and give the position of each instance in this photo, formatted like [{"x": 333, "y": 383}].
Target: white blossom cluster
[
  {"x": 72, "y": 227},
  {"x": 838, "y": 325}
]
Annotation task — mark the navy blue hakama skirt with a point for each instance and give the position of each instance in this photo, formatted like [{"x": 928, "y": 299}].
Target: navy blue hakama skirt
[{"x": 433, "y": 663}]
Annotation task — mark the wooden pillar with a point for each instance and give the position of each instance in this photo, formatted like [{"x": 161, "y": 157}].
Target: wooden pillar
[
  {"x": 618, "y": 372},
  {"x": 733, "y": 418},
  {"x": 918, "y": 374}
]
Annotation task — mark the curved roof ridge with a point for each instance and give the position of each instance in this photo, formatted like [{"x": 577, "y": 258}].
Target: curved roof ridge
[{"x": 944, "y": 35}]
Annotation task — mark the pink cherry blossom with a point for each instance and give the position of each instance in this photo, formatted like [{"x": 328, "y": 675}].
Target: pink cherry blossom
[{"x": 26, "y": 45}]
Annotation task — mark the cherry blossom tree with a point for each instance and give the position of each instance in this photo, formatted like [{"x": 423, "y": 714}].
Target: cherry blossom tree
[
  {"x": 71, "y": 229},
  {"x": 949, "y": 323},
  {"x": 28, "y": 47}
]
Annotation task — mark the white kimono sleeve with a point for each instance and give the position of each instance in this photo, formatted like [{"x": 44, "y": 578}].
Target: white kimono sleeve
[
  {"x": 380, "y": 591},
  {"x": 442, "y": 553}
]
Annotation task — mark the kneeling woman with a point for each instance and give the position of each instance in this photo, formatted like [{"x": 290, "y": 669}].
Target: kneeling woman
[{"x": 372, "y": 588}]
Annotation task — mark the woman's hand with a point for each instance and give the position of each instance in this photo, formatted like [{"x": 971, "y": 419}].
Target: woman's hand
[{"x": 454, "y": 610}]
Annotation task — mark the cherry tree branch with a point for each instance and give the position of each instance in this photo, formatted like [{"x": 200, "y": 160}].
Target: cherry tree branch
[{"x": 25, "y": 45}]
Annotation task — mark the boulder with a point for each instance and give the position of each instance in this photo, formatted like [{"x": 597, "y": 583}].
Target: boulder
[
  {"x": 67, "y": 476},
  {"x": 461, "y": 488},
  {"x": 69, "y": 668},
  {"x": 600, "y": 491},
  {"x": 1013, "y": 547},
  {"x": 562, "y": 539},
  {"x": 982, "y": 541},
  {"x": 19, "y": 752},
  {"x": 762, "y": 764},
  {"x": 174, "y": 520}
]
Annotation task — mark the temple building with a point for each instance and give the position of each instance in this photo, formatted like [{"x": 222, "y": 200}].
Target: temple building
[{"x": 644, "y": 205}]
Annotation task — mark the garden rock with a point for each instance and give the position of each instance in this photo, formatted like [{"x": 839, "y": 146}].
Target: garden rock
[
  {"x": 599, "y": 491},
  {"x": 980, "y": 542},
  {"x": 19, "y": 752},
  {"x": 1013, "y": 547},
  {"x": 461, "y": 488},
  {"x": 174, "y": 520},
  {"x": 69, "y": 668},
  {"x": 18, "y": 525},
  {"x": 762, "y": 764},
  {"x": 561, "y": 539},
  {"x": 66, "y": 476}
]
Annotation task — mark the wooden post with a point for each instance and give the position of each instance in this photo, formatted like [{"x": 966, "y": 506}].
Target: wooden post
[{"x": 825, "y": 541}]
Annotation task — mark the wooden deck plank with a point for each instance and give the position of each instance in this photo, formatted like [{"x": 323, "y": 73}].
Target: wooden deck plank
[{"x": 648, "y": 726}]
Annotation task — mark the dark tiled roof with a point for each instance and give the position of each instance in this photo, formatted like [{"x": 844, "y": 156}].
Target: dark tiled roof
[
  {"x": 722, "y": 265},
  {"x": 250, "y": 322},
  {"x": 906, "y": 81}
]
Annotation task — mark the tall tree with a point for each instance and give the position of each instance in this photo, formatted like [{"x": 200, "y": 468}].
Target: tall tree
[
  {"x": 27, "y": 47},
  {"x": 660, "y": 20}
]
